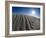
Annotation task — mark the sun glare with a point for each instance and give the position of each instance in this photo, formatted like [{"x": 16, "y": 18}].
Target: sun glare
[{"x": 33, "y": 12}]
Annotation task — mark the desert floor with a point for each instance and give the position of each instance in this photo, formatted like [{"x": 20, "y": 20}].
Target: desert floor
[{"x": 24, "y": 22}]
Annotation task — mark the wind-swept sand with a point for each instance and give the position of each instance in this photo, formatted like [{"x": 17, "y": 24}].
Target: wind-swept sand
[{"x": 23, "y": 22}]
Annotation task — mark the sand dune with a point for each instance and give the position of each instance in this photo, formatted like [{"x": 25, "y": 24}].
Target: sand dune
[{"x": 23, "y": 22}]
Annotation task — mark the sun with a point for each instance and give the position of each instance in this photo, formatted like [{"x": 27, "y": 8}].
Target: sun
[{"x": 33, "y": 12}]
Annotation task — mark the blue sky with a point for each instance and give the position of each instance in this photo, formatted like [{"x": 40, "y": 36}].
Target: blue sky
[{"x": 26, "y": 11}]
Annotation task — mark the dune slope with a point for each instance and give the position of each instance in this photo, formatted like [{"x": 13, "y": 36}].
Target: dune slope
[{"x": 23, "y": 22}]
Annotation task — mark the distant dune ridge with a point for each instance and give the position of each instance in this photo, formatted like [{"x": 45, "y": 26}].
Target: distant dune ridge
[{"x": 24, "y": 22}]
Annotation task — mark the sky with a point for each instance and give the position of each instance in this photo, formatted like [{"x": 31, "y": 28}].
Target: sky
[{"x": 26, "y": 11}]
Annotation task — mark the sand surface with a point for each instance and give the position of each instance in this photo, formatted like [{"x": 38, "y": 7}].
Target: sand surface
[{"x": 24, "y": 22}]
